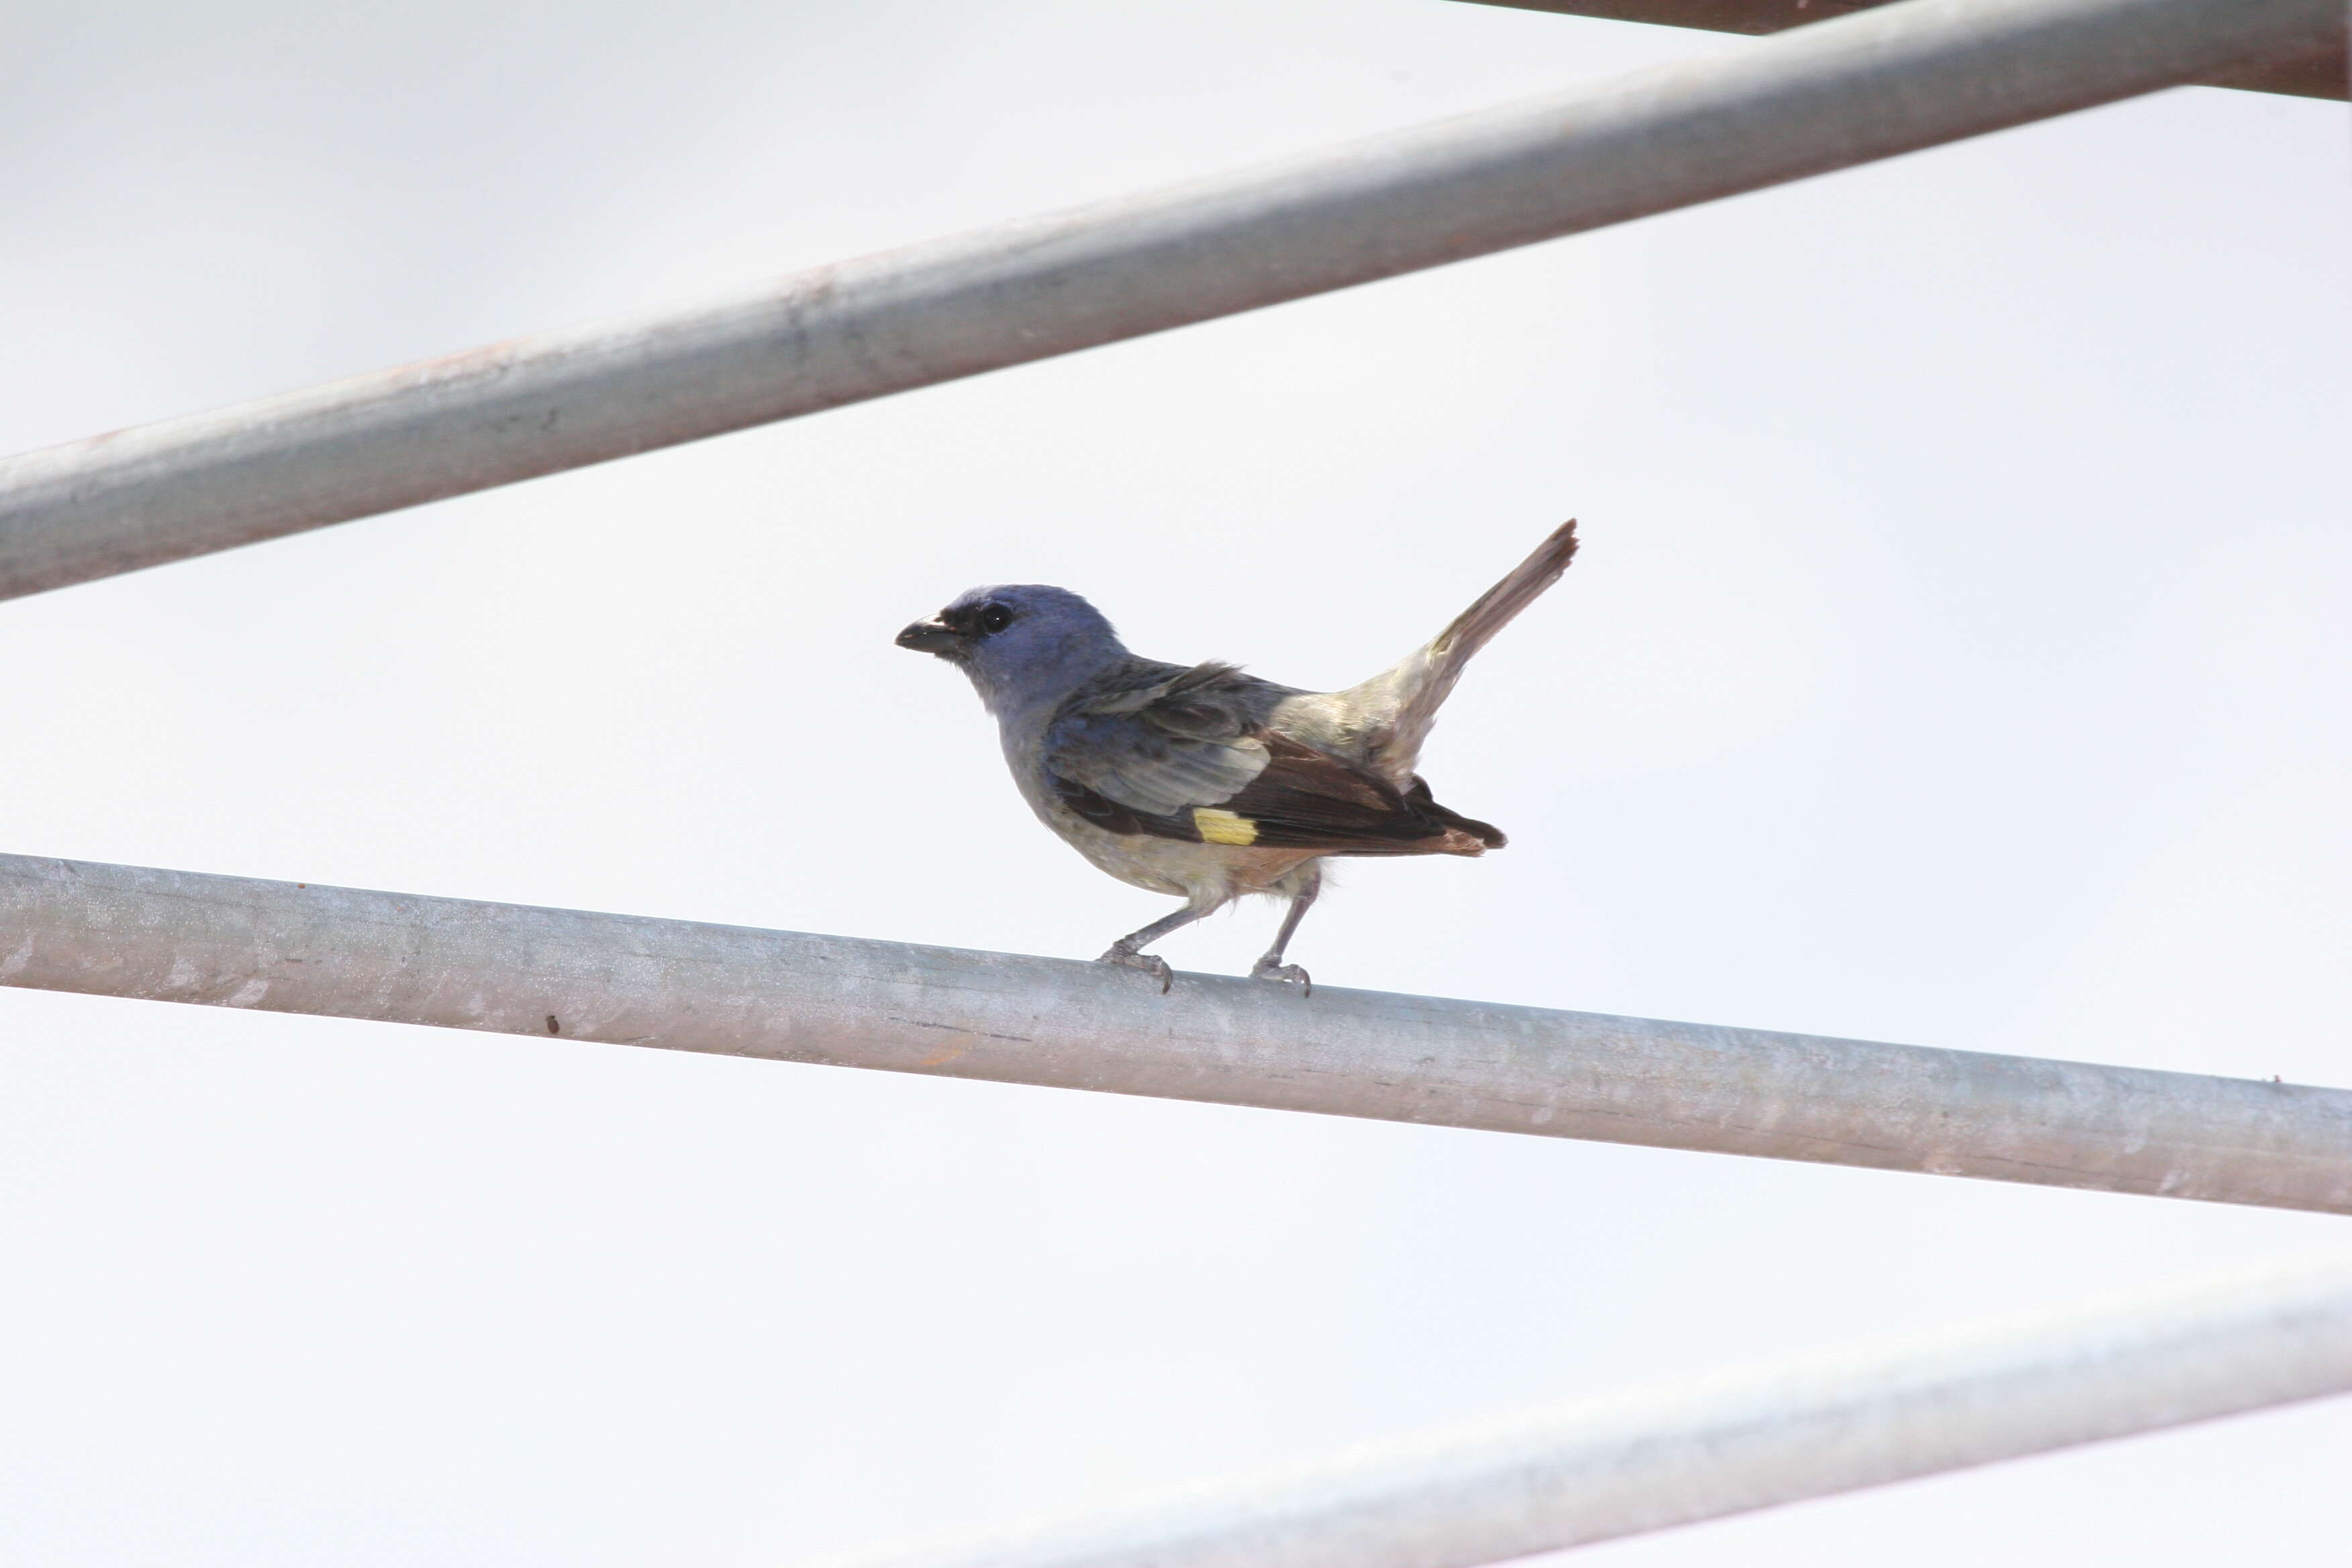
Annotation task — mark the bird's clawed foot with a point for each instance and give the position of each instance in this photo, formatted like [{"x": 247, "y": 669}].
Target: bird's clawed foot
[
  {"x": 1270, "y": 968},
  {"x": 1151, "y": 964}
]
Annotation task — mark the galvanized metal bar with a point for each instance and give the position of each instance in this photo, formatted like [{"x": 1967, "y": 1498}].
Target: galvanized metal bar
[
  {"x": 1859, "y": 88},
  {"x": 2320, "y": 71},
  {"x": 1741, "y": 1439},
  {"x": 175, "y": 936}
]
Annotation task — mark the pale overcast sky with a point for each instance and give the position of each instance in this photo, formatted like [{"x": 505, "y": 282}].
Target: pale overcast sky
[{"x": 1957, "y": 658}]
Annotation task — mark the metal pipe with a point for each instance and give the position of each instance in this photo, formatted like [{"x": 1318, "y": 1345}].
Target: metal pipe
[
  {"x": 2317, "y": 72},
  {"x": 1864, "y": 86},
  {"x": 175, "y": 936},
  {"x": 1736, "y": 1440}
]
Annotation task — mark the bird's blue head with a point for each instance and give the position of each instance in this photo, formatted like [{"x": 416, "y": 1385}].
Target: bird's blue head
[{"x": 1022, "y": 643}]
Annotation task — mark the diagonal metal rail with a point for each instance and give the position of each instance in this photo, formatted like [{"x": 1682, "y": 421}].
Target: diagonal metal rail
[
  {"x": 176, "y": 936},
  {"x": 1736, "y": 1440},
  {"x": 1862, "y": 87},
  {"x": 2316, "y": 72}
]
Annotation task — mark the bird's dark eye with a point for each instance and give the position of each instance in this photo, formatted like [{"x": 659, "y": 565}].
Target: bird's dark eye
[{"x": 994, "y": 618}]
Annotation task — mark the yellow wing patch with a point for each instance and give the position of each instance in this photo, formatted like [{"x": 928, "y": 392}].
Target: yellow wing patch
[{"x": 1223, "y": 826}]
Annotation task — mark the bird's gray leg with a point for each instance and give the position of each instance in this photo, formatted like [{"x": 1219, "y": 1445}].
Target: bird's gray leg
[
  {"x": 1271, "y": 966},
  {"x": 1127, "y": 951}
]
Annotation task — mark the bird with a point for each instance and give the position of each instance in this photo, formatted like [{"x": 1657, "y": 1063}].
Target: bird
[{"x": 1204, "y": 782}]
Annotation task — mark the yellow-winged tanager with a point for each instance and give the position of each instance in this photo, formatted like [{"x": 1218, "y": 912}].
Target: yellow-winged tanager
[{"x": 1204, "y": 782}]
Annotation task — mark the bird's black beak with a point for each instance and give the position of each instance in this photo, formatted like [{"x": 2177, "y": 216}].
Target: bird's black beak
[{"x": 934, "y": 635}]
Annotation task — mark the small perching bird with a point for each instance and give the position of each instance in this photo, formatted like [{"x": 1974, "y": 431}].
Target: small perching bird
[{"x": 1207, "y": 784}]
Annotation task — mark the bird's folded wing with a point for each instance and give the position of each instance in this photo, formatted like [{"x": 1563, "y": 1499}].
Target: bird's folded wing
[
  {"x": 1162, "y": 749},
  {"x": 1183, "y": 760}
]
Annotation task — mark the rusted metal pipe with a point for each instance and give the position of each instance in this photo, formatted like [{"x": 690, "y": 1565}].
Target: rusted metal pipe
[
  {"x": 2317, "y": 71},
  {"x": 1862, "y": 87},
  {"x": 176, "y": 936}
]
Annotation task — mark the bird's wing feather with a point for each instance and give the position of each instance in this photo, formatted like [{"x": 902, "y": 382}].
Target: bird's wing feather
[
  {"x": 1187, "y": 759},
  {"x": 1182, "y": 742}
]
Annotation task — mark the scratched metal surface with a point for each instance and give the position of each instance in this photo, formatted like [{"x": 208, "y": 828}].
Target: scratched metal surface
[
  {"x": 175, "y": 936},
  {"x": 1859, "y": 87}
]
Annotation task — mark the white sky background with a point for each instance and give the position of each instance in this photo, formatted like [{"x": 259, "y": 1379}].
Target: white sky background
[{"x": 1957, "y": 656}]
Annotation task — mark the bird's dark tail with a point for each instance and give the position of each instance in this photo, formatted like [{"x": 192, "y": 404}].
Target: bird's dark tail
[
  {"x": 1475, "y": 627},
  {"x": 1482, "y": 835},
  {"x": 1401, "y": 702}
]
